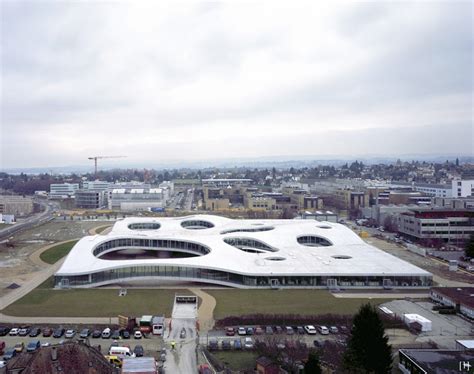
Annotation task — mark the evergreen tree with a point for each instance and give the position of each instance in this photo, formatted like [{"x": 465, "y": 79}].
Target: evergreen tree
[
  {"x": 312, "y": 366},
  {"x": 469, "y": 249},
  {"x": 368, "y": 350}
]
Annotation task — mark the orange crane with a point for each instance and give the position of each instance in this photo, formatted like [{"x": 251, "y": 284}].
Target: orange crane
[{"x": 95, "y": 158}]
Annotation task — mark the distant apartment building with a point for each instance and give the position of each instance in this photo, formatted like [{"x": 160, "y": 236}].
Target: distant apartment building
[
  {"x": 463, "y": 188},
  {"x": 63, "y": 190},
  {"x": 436, "y": 190},
  {"x": 226, "y": 182},
  {"x": 16, "y": 205},
  {"x": 450, "y": 225}
]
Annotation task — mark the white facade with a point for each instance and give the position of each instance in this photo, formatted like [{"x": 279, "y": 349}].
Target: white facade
[
  {"x": 424, "y": 322},
  {"x": 463, "y": 188},
  {"x": 96, "y": 185},
  {"x": 62, "y": 190},
  {"x": 235, "y": 253},
  {"x": 138, "y": 199}
]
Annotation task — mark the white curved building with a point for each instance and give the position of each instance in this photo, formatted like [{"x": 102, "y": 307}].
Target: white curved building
[{"x": 236, "y": 253}]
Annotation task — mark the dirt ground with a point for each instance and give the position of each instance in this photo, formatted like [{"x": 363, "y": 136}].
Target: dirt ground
[
  {"x": 438, "y": 269},
  {"x": 16, "y": 266}
]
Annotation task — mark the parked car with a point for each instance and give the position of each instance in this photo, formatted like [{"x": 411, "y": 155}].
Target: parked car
[
  {"x": 258, "y": 331},
  {"x": 125, "y": 334},
  {"x": 162, "y": 357},
  {"x": 248, "y": 343},
  {"x": 269, "y": 330},
  {"x": 323, "y": 330},
  {"x": 241, "y": 331},
  {"x": 19, "y": 347},
  {"x": 24, "y": 331},
  {"x": 139, "y": 351},
  {"x": 250, "y": 331},
  {"x": 47, "y": 332},
  {"x": 35, "y": 331},
  {"x": 289, "y": 330},
  {"x": 300, "y": 330},
  {"x": 237, "y": 344},
  {"x": 33, "y": 346},
  {"x": 278, "y": 329},
  {"x": 334, "y": 330},
  {"x": 115, "y": 335},
  {"x": 310, "y": 329},
  {"x": 57, "y": 333},
  {"x": 106, "y": 333},
  {"x": 226, "y": 345},
  {"x": 14, "y": 331},
  {"x": 70, "y": 334},
  {"x": 213, "y": 345},
  {"x": 205, "y": 369},
  {"x": 9, "y": 354},
  {"x": 229, "y": 331},
  {"x": 4, "y": 330},
  {"x": 96, "y": 334},
  {"x": 84, "y": 333},
  {"x": 137, "y": 334}
]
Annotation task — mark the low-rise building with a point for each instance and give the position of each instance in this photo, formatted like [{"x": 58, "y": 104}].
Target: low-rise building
[
  {"x": 427, "y": 361},
  {"x": 462, "y": 299},
  {"x": 435, "y": 190},
  {"x": 453, "y": 202},
  {"x": 16, "y": 205},
  {"x": 63, "y": 190},
  {"x": 70, "y": 357},
  {"x": 450, "y": 225},
  {"x": 137, "y": 199},
  {"x": 90, "y": 199}
]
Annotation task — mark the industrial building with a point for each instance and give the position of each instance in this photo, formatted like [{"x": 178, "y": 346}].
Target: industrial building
[
  {"x": 235, "y": 253},
  {"x": 427, "y": 361}
]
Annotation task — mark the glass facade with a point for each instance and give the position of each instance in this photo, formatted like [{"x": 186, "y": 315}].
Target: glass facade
[
  {"x": 313, "y": 241},
  {"x": 144, "y": 226},
  {"x": 252, "y": 229},
  {"x": 176, "y": 245},
  {"x": 196, "y": 224},
  {"x": 191, "y": 274},
  {"x": 247, "y": 244}
]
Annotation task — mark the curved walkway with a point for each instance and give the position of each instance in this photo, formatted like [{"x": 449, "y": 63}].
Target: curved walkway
[
  {"x": 35, "y": 257},
  {"x": 206, "y": 309},
  {"x": 93, "y": 231}
]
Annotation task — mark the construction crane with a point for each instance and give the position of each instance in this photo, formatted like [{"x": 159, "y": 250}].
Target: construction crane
[{"x": 95, "y": 158}]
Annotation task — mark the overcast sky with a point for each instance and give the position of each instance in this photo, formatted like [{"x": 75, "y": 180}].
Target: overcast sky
[{"x": 205, "y": 80}]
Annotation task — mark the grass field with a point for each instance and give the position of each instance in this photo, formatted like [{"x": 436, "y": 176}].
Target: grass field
[
  {"x": 54, "y": 254},
  {"x": 45, "y": 302},
  {"x": 305, "y": 302},
  {"x": 237, "y": 360}
]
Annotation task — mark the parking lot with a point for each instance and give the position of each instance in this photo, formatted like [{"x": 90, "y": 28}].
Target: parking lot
[
  {"x": 445, "y": 328},
  {"x": 152, "y": 344}
]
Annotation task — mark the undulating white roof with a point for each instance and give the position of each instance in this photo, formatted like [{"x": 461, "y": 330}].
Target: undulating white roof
[{"x": 353, "y": 256}]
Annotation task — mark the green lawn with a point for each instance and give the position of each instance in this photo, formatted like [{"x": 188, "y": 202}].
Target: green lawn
[
  {"x": 45, "y": 302},
  {"x": 57, "y": 252},
  {"x": 306, "y": 302},
  {"x": 236, "y": 360}
]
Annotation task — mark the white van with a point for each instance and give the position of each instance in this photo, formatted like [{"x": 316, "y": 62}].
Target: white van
[
  {"x": 121, "y": 352},
  {"x": 106, "y": 333}
]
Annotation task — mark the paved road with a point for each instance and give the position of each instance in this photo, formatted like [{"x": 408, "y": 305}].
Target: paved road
[
  {"x": 36, "y": 219},
  {"x": 183, "y": 359}
]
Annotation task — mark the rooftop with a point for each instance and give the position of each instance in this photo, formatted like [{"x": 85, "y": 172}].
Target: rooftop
[{"x": 464, "y": 295}]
